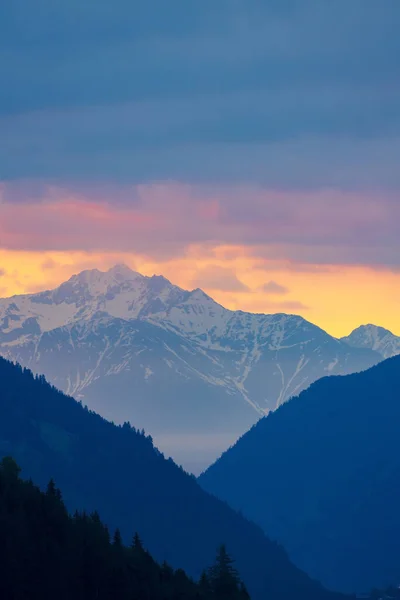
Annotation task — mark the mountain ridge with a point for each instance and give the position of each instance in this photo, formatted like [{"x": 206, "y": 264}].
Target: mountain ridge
[{"x": 223, "y": 369}]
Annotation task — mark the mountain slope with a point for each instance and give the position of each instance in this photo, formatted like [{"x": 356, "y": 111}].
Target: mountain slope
[
  {"x": 186, "y": 369},
  {"x": 47, "y": 554},
  {"x": 322, "y": 476},
  {"x": 118, "y": 472},
  {"x": 374, "y": 338}
]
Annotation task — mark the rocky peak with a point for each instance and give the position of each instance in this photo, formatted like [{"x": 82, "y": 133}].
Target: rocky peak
[{"x": 375, "y": 338}]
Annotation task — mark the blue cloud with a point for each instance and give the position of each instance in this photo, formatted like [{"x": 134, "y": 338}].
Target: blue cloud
[{"x": 210, "y": 90}]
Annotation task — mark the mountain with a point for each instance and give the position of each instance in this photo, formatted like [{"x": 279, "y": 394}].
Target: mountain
[
  {"x": 322, "y": 476},
  {"x": 374, "y": 338},
  {"x": 117, "y": 471},
  {"x": 174, "y": 362},
  {"x": 47, "y": 554}
]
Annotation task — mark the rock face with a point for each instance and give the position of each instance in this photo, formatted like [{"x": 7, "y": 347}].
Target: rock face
[{"x": 192, "y": 373}]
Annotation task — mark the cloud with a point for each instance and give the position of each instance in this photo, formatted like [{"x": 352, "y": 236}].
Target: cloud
[
  {"x": 264, "y": 128},
  {"x": 218, "y": 278},
  {"x": 49, "y": 264},
  {"x": 265, "y": 306},
  {"x": 271, "y": 287},
  {"x": 2, "y": 272},
  {"x": 293, "y": 305},
  {"x": 304, "y": 230},
  {"x": 245, "y": 91},
  {"x": 134, "y": 144},
  {"x": 218, "y": 46}
]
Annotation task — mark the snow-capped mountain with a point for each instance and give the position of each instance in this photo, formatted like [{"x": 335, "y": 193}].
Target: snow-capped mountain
[
  {"x": 192, "y": 373},
  {"x": 375, "y": 338}
]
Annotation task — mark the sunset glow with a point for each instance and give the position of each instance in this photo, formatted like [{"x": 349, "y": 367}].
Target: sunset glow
[
  {"x": 239, "y": 150},
  {"x": 338, "y": 298}
]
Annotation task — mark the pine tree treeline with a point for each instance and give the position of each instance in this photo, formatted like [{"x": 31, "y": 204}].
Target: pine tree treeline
[
  {"x": 116, "y": 470},
  {"x": 47, "y": 554}
]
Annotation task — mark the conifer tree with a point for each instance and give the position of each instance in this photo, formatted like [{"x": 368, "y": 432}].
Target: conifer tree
[
  {"x": 137, "y": 543},
  {"x": 204, "y": 584},
  {"x": 10, "y": 469},
  {"x": 117, "y": 539},
  {"x": 51, "y": 489},
  {"x": 243, "y": 593},
  {"x": 224, "y": 578},
  {"x": 167, "y": 572}
]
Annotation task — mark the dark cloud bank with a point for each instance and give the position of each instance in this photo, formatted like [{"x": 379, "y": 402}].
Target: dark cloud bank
[{"x": 296, "y": 94}]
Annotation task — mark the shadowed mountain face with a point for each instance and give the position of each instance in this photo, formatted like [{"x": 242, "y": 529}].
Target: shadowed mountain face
[
  {"x": 374, "y": 338},
  {"x": 175, "y": 362},
  {"x": 117, "y": 471},
  {"x": 322, "y": 476}
]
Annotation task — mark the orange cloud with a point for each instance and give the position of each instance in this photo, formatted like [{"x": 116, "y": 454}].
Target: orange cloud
[
  {"x": 272, "y": 287},
  {"x": 218, "y": 278}
]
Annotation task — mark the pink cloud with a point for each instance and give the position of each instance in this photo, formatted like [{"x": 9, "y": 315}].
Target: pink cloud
[
  {"x": 218, "y": 278},
  {"x": 162, "y": 220}
]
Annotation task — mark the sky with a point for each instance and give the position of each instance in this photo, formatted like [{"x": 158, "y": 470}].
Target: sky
[{"x": 247, "y": 147}]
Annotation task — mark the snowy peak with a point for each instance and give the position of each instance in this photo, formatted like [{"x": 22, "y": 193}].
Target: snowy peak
[
  {"x": 122, "y": 271},
  {"x": 181, "y": 362},
  {"x": 98, "y": 282},
  {"x": 375, "y": 338},
  {"x": 194, "y": 313},
  {"x": 118, "y": 292},
  {"x": 122, "y": 293}
]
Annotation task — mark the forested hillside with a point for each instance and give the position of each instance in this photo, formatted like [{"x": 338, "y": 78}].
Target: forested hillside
[
  {"x": 48, "y": 555},
  {"x": 322, "y": 476},
  {"x": 118, "y": 472}
]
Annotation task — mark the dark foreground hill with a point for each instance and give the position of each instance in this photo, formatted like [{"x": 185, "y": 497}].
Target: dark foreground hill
[
  {"x": 322, "y": 476},
  {"x": 117, "y": 471},
  {"x": 45, "y": 554}
]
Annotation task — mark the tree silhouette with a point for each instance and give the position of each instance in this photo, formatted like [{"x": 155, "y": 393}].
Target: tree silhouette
[
  {"x": 223, "y": 576},
  {"x": 134, "y": 488},
  {"x": 45, "y": 554}
]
